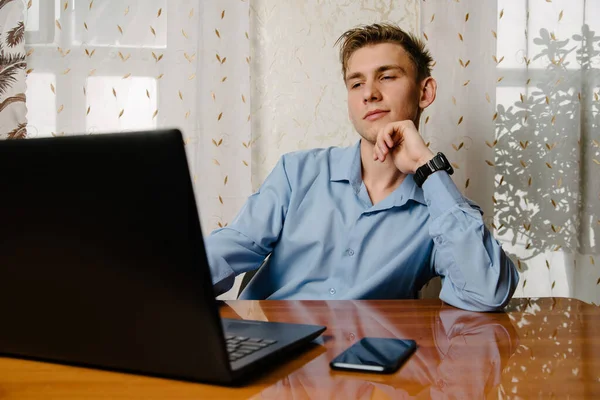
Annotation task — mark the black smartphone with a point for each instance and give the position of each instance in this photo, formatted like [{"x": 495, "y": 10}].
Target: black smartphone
[{"x": 382, "y": 355}]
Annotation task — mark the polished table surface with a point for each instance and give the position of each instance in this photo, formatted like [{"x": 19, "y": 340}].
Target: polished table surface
[{"x": 537, "y": 348}]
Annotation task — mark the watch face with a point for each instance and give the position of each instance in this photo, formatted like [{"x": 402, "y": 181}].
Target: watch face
[
  {"x": 439, "y": 162},
  {"x": 442, "y": 163},
  {"x": 444, "y": 159}
]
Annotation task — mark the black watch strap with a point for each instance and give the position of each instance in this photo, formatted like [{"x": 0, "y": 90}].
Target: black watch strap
[{"x": 437, "y": 163}]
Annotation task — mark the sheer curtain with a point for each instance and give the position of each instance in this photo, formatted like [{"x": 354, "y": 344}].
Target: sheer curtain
[
  {"x": 518, "y": 113},
  {"x": 114, "y": 66}
]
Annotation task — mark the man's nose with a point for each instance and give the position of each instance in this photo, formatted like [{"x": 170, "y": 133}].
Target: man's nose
[{"x": 371, "y": 92}]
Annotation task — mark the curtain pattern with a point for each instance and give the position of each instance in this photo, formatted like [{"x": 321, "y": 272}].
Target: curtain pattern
[
  {"x": 517, "y": 113},
  {"x": 114, "y": 66}
]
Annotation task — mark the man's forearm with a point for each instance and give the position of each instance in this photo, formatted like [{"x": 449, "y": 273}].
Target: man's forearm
[{"x": 477, "y": 273}]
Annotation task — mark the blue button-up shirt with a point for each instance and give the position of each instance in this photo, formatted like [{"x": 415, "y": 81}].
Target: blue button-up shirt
[{"x": 327, "y": 240}]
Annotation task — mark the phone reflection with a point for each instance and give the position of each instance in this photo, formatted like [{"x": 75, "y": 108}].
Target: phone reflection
[{"x": 460, "y": 354}]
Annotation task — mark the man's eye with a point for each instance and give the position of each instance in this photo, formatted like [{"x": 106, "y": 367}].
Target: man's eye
[
  {"x": 354, "y": 86},
  {"x": 388, "y": 77}
]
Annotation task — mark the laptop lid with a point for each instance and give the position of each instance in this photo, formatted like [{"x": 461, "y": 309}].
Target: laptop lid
[{"x": 101, "y": 256}]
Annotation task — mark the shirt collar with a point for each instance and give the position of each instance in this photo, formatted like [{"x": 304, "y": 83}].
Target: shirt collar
[
  {"x": 346, "y": 166},
  {"x": 408, "y": 190}
]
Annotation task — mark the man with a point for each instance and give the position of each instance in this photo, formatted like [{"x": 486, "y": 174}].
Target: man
[{"x": 374, "y": 221}]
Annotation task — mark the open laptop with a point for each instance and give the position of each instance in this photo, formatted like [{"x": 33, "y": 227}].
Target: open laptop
[{"x": 102, "y": 263}]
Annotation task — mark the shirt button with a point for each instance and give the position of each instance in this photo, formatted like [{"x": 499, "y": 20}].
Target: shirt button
[
  {"x": 332, "y": 291},
  {"x": 350, "y": 252}
]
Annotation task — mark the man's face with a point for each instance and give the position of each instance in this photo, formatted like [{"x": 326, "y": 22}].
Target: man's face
[{"x": 382, "y": 88}]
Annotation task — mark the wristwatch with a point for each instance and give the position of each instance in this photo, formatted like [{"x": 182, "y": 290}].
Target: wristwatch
[{"x": 437, "y": 163}]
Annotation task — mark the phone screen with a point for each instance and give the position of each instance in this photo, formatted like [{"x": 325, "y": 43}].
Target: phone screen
[{"x": 375, "y": 355}]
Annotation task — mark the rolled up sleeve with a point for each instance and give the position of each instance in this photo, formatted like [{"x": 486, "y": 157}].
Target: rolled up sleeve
[{"x": 477, "y": 274}]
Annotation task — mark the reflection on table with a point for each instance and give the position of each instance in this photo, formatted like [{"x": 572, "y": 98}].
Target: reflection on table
[{"x": 461, "y": 354}]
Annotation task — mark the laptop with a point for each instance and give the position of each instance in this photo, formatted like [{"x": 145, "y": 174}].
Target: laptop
[{"x": 102, "y": 263}]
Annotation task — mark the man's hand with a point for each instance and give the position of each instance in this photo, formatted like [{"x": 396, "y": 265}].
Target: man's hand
[{"x": 401, "y": 141}]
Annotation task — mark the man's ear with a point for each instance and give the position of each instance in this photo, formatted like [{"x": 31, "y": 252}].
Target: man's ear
[{"x": 428, "y": 91}]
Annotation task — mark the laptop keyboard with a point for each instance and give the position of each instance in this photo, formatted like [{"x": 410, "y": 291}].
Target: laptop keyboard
[{"x": 240, "y": 346}]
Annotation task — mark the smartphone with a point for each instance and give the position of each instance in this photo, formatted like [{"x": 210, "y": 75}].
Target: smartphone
[{"x": 382, "y": 355}]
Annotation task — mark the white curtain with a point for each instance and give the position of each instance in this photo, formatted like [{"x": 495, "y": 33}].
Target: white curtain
[
  {"x": 518, "y": 113},
  {"x": 114, "y": 66}
]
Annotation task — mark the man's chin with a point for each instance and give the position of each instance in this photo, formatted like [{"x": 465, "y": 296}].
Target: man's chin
[{"x": 370, "y": 137}]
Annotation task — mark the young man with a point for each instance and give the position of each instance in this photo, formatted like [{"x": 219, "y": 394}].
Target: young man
[{"x": 376, "y": 220}]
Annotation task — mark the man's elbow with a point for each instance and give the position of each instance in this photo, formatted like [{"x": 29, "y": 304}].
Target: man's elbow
[
  {"x": 493, "y": 298},
  {"x": 501, "y": 294},
  {"x": 500, "y": 288},
  {"x": 498, "y": 300}
]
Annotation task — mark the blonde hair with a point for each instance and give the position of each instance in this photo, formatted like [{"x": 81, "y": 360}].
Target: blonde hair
[{"x": 367, "y": 35}]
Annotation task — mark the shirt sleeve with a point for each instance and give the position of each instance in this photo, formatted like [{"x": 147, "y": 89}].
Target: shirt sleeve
[
  {"x": 243, "y": 245},
  {"x": 477, "y": 275}
]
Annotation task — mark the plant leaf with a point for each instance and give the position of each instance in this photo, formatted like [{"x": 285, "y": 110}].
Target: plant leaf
[
  {"x": 16, "y": 35},
  {"x": 9, "y": 67},
  {"x": 20, "y": 132}
]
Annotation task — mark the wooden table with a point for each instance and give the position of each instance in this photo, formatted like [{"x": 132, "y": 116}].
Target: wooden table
[{"x": 544, "y": 348}]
